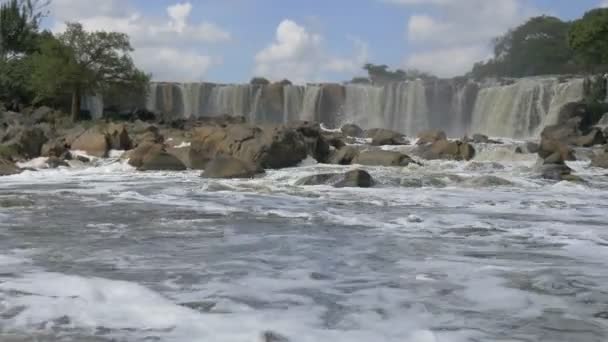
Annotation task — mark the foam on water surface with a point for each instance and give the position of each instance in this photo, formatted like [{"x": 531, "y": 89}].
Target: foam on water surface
[{"x": 449, "y": 251}]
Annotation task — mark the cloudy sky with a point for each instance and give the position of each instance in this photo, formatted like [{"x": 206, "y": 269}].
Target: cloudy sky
[{"x": 305, "y": 40}]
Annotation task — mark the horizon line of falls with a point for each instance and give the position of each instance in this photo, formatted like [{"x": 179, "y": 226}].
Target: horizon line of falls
[{"x": 517, "y": 110}]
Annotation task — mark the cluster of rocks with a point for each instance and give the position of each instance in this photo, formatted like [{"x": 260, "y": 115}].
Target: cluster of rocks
[{"x": 559, "y": 143}]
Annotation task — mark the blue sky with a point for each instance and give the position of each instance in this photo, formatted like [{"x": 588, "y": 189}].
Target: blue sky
[{"x": 311, "y": 40}]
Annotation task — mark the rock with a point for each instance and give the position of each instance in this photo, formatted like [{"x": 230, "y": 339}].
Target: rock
[
  {"x": 334, "y": 139},
  {"x": 83, "y": 159},
  {"x": 316, "y": 144},
  {"x": 8, "y": 168},
  {"x": 528, "y": 148},
  {"x": 93, "y": 142},
  {"x": 564, "y": 132},
  {"x": 382, "y": 158},
  {"x": 273, "y": 147},
  {"x": 429, "y": 137},
  {"x": 148, "y": 157},
  {"x": 445, "y": 149},
  {"x": 556, "y": 172},
  {"x": 42, "y": 114},
  {"x": 600, "y": 160},
  {"x": 54, "y": 148},
  {"x": 595, "y": 137},
  {"x": 344, "y": 156},
  {"x": 55, "y": 162},
  {"x": 352, "y": 130},
  {"x": 555, "y": 150},
  {"x": 351, "y": 179},
  {"x": 382, "y": 137},
  {"x": 28, "y": 142},
  {"x": 229, "y": 167},
  {"x": 118, "y": 137},
  {"x": 8, "y": 152},
  {"x": 483, "y": 139}
]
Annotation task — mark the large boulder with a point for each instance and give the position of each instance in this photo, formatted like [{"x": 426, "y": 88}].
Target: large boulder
[
  {"x": 93, "y": 142},
  {"x": 28, "y": 141},
  {"x": 352, "y": 130},
  {"x": 555, "y": 151},
  {"x": 351, "y": 179},
  {"x": 229, "y": 167},
  {"x": 430, "y": 137},
  {"x": 344, "y": 156},
  {"x": 149, "y": 157},
  {"x": 55, "y": 148},
  {"x": 382, "y": 158},
  {"x": 445, "y": 149},
  {"x": 8, "y": 168},
  {"x": 273, "y": 147},
  {"x": 118, "y": 137},
  {"x": 382, "y": 137}
]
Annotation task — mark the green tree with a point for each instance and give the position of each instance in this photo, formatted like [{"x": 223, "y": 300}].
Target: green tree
[
  {"x": 84, "y": 63},
  {"x": 589, "y": 39},
  {"x": 539, "y": 46}
]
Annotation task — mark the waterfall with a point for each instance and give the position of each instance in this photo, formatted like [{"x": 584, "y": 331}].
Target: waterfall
[
  {"x": 310, "y": 104},
  {"x": 93, "y": 104},
  {"x": 520, "y": 109},
  {"x": 293, "y": 102}
]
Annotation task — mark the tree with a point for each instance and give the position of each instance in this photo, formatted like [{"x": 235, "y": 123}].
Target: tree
[
  {"x": 589, "y": 38},
  {"x": 539, "y": 46},
  {"x": 84, "y": 63}
]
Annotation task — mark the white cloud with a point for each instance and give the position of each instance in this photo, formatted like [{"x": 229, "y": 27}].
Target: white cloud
[
  {"x": 463, "y": 29},
  {"x": 163, "y": 46},
  {"x": 300, "y": 55},
  {"x": 604, "y": 3}
]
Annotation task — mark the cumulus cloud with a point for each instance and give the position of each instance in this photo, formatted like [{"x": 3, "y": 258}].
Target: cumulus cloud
[
  {"x": 461, "y": 28},
  {"x": 300, "y": 55},
  {"x": 165, "y": 46},
  {"x": 604, "y": 3}
]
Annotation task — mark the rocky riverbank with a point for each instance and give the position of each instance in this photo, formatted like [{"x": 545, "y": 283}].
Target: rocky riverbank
[{"x": 229, "y": 147}]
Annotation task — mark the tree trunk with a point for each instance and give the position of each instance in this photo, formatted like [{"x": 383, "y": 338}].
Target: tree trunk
[{"x": 76, "y": 105}]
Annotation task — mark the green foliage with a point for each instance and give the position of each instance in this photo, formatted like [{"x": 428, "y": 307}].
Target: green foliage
[
  {"x": 380, "y": 74},
  {"x": 539, "y": 46},
  {"x": 589, "y": 39},
  {"x": 80, "y": 63},
  {"x": 259, "y": 81}
]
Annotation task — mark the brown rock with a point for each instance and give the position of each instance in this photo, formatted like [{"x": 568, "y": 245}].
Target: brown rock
[
  {"x": 229, "y": 167},
  {"x": 382, "y": 158},
  {"x": 8, "y": 168},
  {"x": 148, "y": 157},
  {"x": 432, "y": 136},
  {"x": 93, "y": 142}
]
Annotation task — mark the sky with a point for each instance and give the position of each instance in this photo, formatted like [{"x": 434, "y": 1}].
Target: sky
[{"x": 230, "y": 41}]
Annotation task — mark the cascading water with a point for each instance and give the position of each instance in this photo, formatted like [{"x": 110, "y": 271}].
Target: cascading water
[{"x": 520, "y": 109}]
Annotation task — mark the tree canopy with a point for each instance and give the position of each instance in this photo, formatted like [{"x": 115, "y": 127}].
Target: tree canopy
[
  {"x": 84, "y": 63},
  {"x": 380, "y": 74},
  {"x": 589, "y": 39}
]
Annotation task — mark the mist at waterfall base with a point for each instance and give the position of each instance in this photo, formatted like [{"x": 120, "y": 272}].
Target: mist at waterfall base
[
  {"x": 446, "y": 252},
  {"x": 516, "y": 110}
]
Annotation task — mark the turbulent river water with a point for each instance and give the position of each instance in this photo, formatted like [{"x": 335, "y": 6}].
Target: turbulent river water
[{"x": 446, "y": 252}]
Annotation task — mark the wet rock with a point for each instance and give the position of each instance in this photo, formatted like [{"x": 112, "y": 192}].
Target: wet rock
[
  {"x": 382, "y": 158},
  {"x": 28, "y": 142},
  {"x": 149, "y": 157},
  {"x": 444, "y": 149},
  {"x": 273, "y": 147},
  {"x": 483, "y": 139},
  {"x": 554, "y": 171},
  {"x": 335, "y": 139},
  {"x": 600, "y": 160},
  {"x": 142, "y": 132},
  {"x": 118, "y": 137},
  {"x": 351, "y": 179},
  {"x": 55, "y": 162},
  {"x": 344, "y": 156},
  {"x": 528, "y": 148},
  {"x": 352, "y": 130},
  {"x": 229, "y": 167},
  {"x": 595, "y": 137},
  {"x": 316, "y": 144},
  {"x": 430, "y": 137},
  {"x": 384, "y": 137},
  {"x": 555, "y": 151},
  {"x": 93, "y": 142},
  {"x": 8, "y": 168},
  {"x": 54, "y": 148}
]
